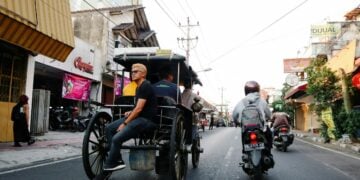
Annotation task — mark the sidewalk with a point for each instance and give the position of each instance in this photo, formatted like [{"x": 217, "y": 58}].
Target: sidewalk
[
  {"x": 352, "y": 148},
  {"x": 54, "y": 145}
]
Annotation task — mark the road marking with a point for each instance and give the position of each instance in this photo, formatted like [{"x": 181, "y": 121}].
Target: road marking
[
  {"x": 338, "y": 170},
  {"x": 334, "y": 151},
  {"x": 229, "y": 153},
  {"x": 39, "y": 165}
]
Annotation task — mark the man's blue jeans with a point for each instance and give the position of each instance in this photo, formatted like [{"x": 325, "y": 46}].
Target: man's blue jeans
[{"x": 116, "y": 139}]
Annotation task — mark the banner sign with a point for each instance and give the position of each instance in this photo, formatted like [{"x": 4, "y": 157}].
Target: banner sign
[
  {"x": 117, "y": 85},
  {"x": 327, "y": 117},
  {"x": 324, "y": 30},
  {"x": 76, "y": 88},
  {"x": 296, "y": 64}
]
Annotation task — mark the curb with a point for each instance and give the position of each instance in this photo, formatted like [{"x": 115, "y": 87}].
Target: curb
[
  {"x": 35, "y": 163},
  {"x": 354, "y": 148}
]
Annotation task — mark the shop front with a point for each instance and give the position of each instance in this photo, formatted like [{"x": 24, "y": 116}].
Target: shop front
[
  {"x": 72, "y": 83},
  {"x": 13, "y": 64}
]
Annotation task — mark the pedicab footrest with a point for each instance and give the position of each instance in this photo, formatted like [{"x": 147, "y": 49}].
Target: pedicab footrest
[{"x": 142, "y": 147}]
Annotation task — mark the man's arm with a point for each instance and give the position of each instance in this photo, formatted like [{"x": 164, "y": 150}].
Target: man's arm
[{"x": 134, "y": 113}]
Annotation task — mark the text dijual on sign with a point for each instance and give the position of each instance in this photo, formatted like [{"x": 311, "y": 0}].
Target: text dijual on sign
[{"x": 324, "y": 30}]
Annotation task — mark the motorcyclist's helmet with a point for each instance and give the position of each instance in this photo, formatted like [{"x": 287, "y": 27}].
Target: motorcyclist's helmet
[
  {"x": 251, "y": 87},
  {"x": 278, "y": 108}
]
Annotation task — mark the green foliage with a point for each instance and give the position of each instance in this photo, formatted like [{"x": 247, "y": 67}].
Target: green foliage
[
  {"x": 352, "y": 122},
  {"x": 322, "y": 84},
  {"x": 340, "y": 116}
]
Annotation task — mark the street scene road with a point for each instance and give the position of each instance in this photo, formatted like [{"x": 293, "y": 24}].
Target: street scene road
[{"x": 222, "y": 153}]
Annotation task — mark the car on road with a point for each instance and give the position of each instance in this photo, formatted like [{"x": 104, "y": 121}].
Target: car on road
[{"x": 221, "y": 123}]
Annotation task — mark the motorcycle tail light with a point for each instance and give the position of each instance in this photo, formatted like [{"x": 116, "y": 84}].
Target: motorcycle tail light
[
  {"x": 283, "y": 129},
  {"x": 253, "y": 138}
]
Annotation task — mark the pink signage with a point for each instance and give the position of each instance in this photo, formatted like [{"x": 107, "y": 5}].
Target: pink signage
[
  {"x": 76, "y": 88},
  {"x": 117, "y": 85}
]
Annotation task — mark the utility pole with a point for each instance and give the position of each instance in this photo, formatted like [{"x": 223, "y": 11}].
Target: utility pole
[{"x": 188, "y": 39}]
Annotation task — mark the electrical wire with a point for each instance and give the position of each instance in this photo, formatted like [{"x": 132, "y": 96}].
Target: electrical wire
[
  {"x": 168, "y": 15},
  {"x": 258, "y": 33},
  {"x": 191, "y": 11}
]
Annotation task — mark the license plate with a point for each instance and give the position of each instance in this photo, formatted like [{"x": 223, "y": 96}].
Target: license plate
[
  {"x": 284, "y": 138},
  {"x": 250, "y": 147},
  {"x": 282, "y": 134}
]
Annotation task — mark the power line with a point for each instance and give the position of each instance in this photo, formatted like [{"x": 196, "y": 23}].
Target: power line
[
  {"x": 167, "y": 14},
  {"x": 259, "y": 32},
  {"x": 99, "y": 12},
  {"x": 169, "y": 10},
  {"x": 191, "y": 11},
  {"x": 182, "y": 8}
]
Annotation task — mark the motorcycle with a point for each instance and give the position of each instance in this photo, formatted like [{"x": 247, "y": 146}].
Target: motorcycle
[
  {"x": 61, "y": 118},
  {"x": 81, "y": 122},
  {"x": 255, "y": 159},
  {"x": 54, "y": 124},
  {"x": 283, "y": 138}
]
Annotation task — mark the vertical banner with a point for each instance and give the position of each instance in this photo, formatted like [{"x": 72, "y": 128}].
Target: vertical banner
[
  {"x": 327, "y": 117},
  {"x": 117, "y": 85},
  {"x": 76, "y": 88}
]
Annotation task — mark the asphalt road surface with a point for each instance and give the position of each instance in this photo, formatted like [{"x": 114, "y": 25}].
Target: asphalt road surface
[{"x": 222, "y": 153}]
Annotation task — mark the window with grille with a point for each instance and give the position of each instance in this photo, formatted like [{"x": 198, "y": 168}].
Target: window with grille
[{"x": 12, "y": 76}]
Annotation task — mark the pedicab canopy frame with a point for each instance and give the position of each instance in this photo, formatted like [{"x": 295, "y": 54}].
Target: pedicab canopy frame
[{"x": 154, "y": 63}]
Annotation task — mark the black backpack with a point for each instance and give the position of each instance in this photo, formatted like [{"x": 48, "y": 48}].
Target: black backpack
[{"x": 15, "y": 113}]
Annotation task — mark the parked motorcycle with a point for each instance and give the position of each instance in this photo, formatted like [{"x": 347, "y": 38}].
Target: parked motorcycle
[
  {"x": 255, "y": 159},
  {"x": 81, "y": 122},
  {"x": 283, "y": 138},
  {"x": 54, "y": 112},
  {"x": 61, "y": 118}
]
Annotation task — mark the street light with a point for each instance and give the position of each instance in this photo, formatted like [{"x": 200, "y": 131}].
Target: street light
[{"x": 204, "y": 70}]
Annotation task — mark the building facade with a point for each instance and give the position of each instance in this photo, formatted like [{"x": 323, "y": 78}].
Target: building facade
[{"x": 29, "y": 28}]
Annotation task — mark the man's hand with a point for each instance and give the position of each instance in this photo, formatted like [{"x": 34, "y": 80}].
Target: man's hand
[
  {"x": 121, "y": 127},
  {"x": 127, "y": 113}
]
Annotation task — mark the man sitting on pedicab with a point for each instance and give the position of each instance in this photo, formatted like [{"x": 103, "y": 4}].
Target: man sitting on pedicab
[
  {"x": 165, "y": 87},
  {"x": 134, "y": 122}
]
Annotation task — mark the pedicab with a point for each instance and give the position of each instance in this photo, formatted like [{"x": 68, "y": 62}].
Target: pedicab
[{"x": 164, "y": 148}]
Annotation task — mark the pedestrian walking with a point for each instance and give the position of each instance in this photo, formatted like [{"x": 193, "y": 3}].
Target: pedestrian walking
[
  {"x": 20, "y": 117},
  {"x": 211, "y": 122}
]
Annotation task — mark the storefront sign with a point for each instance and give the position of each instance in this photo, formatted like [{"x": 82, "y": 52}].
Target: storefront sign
[
  {"x": 327, "y": 117},
  {"x": 80, "y": 64},
  {"x": 76, "y": 88},
  {"x": 356, "y": 80},
  {"x": 296, "y": 64},
  {"x": 324, "y": 30}
]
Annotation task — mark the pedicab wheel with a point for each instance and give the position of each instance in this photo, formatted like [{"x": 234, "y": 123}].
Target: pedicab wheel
[
  {"x": 195, "y": 152},
  {"x": 94, "y": 143},
  {"x": 178, "y": 155}
]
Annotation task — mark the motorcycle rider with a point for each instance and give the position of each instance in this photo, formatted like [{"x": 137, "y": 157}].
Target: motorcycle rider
[
  {"x": 252, "y": 95},
  {"x": 279, "y": 118}
]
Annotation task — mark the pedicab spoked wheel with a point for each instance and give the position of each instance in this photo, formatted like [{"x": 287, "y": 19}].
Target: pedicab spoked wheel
[
  {"x": 94, "y": 143},
  {"x": 178, "y": 155},
  {"x": 195, "y": 152}
]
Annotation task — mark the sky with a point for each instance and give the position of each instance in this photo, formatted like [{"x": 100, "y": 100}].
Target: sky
[{"x": 241, "y": 40}]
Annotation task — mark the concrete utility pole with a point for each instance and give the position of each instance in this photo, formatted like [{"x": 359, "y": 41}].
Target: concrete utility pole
[{"x": 188, "y": 39}]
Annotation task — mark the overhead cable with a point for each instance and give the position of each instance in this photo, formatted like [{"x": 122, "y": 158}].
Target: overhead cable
[{"x": 259, "y": 32}]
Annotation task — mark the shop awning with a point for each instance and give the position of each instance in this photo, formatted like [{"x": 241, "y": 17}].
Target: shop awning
[
  {"x": 296, "y": 92},
  {"x": 41, "y": 27}
]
